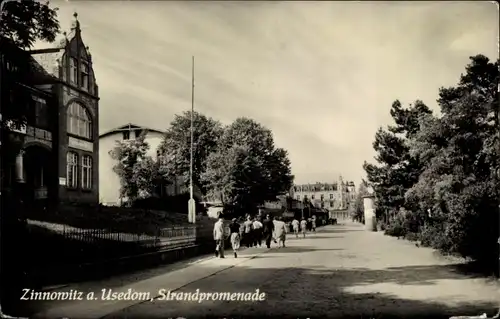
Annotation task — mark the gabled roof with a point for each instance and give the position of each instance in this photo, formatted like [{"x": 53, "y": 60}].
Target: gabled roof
[
  {"x": 129, "y": 127},
  {"x": 48, "y": 61}
]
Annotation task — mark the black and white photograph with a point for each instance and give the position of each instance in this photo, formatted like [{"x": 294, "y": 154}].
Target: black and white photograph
[{"x": 249, "y": 159}]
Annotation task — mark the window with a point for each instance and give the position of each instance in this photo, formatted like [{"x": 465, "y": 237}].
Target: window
[
  {"x": 73, "y": 75},
  {"x": 41, "y": 113},
  {"x": 126, "y": 135},
  {"x": 84, "y": 75},
  {"x": 312, "y": 196},
  {"x": 72, "y": 169},
  {"x": 298, "y": 197},
  {"x": 138, "y": 133},
  {"x": 305, "y": 196},
  {"x": 86, "y": 172},
  {"x": 322, "y": 205},
  {"x": 79, "y": 121},
  {"x": 331, "y": 204},
  {"x": 322, "y": 197},
  {"x": 331, "y": 196}
]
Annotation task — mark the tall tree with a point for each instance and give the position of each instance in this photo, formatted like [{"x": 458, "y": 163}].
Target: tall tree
[
  {"x": 280, "y": 172},
  {"x": 24, "y": 22},
  {"x": 275, "y": 172},
  {"x": 246, "y": 168},
  {"x": 461, "y": 151},
  {"x": 397, "y": 169},
  {"x": 357, "y": 210},
  {"x": 176, "y": 146}
]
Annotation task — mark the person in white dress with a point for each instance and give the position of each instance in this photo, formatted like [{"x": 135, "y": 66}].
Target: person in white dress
[
  {"x": 303, "y": 227},
  {"x": 280, "y": 231},
  {"x": 295, "y": 226}
]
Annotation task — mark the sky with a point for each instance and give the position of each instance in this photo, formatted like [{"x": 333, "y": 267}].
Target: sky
[{"x": 321, "y": 75}]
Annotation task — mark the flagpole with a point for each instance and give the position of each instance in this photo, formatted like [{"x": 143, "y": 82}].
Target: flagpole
[{"x": 191, "y": 204}]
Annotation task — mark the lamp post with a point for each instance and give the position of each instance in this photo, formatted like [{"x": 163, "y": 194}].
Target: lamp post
[{"x": 191, "y": 202}]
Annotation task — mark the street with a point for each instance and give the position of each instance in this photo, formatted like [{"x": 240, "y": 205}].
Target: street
[{"x": 342, "y": 271}]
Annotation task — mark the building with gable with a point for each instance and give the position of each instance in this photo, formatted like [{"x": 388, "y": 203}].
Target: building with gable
[
  {"x": 109, "y": 189},
  {"x": 58, "y": 157},
  {"x": 330, "y": 196}
]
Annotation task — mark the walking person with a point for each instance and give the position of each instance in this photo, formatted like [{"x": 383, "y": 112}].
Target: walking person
[
  {"x": 257, "y": 232},
  {"x": 219, "y": 237},
  {"x": 313, "y": 224},
  {"x": 234, "y": 229},
  {"x": 280, "y": 232},
  {"x": 295, "y": 226},
  {"x": 247, "y": 236},
  {"x": 267, "y": 230},
  {"x": 303, "y": 227}
]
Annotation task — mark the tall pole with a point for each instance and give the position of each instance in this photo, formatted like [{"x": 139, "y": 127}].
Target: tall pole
[{"x": 191, "y": 204}]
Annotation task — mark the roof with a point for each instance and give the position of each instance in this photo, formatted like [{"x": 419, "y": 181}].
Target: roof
[
  {"x": 28, "y": 70},
  {"x": 47, "y": 61},
  {"x": 129, "y": 127}
]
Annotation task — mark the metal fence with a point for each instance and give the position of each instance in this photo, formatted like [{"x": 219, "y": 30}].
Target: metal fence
[{"x": 168, "y": 237}]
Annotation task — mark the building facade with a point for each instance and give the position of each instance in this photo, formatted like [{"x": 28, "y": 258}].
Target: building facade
[
  {"x": 109, "y": 188},
  {"x": 57, "y": 157},
  {"x": 331, "y": 196}
]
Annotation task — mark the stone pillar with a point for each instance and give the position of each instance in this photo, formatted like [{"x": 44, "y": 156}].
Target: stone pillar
[
  {"x": 369, "y": 208},
  {"x": 20, "y": 167}
]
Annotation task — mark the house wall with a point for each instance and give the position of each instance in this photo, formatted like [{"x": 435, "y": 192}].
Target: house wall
[{"x": 67, "y": 95}]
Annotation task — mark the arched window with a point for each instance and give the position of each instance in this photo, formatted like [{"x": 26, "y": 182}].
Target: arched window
[{"x": 79, "y": 121}]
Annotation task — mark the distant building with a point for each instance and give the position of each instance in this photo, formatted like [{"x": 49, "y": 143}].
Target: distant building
[
  {"x": 109, "y": 188},
  {"x": 331, "y": 196},
  {"x": 57, "y": 162}
]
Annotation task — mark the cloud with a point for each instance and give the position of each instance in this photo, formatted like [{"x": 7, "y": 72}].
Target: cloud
[{"x": 321, "y": 75}]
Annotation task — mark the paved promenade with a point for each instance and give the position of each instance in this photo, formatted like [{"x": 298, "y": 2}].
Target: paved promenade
[{"x": 342, "y": 271}]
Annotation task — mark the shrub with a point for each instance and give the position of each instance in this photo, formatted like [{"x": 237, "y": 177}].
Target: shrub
[
  {"x": 395, "y": 228},
  {"x": 412, "y": 236}
]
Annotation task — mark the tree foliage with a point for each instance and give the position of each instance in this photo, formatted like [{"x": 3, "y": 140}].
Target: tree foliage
[
  {"x": 356, "y": 209},
  {"x": 246, "y": 170},
  {"x": 443, "y": 170},
  {"x": 176, "y": 146},
  {"x": 24, "y": 22},
  {"x": 397, "y": 170},
  {"x": 139, "y": 174}
]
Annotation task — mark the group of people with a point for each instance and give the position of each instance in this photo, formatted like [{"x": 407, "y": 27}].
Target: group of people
[
  {"x": 303, "y": 226},
  {"x": 252, "y": 231}
]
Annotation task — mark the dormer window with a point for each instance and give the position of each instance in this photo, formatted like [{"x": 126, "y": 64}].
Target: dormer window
[
  {"x": 84, "y": 75},
  {"x": 73, "y": 75}
]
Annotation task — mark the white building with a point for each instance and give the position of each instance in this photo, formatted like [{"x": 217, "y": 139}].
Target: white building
[
  {"x": 331, "y": 196},
  {"x": 109, "y": 182}
]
